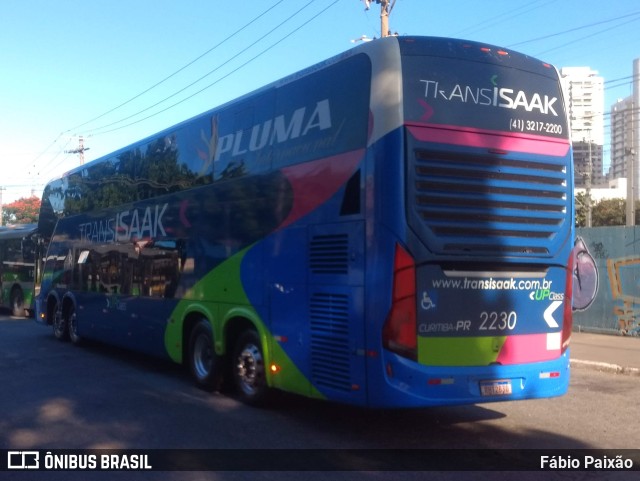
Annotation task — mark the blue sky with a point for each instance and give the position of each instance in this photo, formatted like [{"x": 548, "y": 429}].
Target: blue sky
[{"x": 116, "y": 71}]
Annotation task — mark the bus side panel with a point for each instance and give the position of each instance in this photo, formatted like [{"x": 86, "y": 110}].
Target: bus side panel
[
  {"x": 133, "y": 322},
  {"x": 315, "y": 306},
  {"x": 287, "y": 301},
  {"x": 336, "y": 310}
]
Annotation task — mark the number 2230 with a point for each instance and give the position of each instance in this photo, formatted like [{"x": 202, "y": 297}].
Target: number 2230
[{"x": 498, "y": 321}]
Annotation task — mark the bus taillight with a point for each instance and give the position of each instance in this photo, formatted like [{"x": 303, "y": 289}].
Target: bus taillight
[
  {"x": 567, "y": 321},
  {"x": 400, "y": 329}
]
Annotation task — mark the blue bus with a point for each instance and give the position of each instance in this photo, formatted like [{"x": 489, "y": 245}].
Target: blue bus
[{"x": 392, "y": 227}]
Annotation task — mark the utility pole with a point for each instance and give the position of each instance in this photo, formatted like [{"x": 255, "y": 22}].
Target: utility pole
[
  {"x": 588, "y": 185},
  {"x": 386, "y": 6},
  {"x": 630, "y": 153},
  {"x": 385, "y": 10},
  {"x": 80, "y": 150},
  {"x": 634, "y": 151},
  {"x": 1, "y": 189}
]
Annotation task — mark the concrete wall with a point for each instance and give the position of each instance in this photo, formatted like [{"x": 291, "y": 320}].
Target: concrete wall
[{"x": 616, "y": 255}]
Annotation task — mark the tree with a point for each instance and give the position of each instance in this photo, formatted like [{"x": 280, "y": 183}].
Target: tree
[
  {"x": 581, "y": 209},
  {"x": 22, "y": 211},
  {"x": 609, "y": 212}
]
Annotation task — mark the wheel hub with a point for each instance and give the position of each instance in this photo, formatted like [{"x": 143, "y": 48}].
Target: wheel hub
[{"x": 249, "y": 367}]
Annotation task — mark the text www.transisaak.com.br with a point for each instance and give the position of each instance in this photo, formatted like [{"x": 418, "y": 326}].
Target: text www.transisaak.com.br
[{"x": 492, "y": 284}]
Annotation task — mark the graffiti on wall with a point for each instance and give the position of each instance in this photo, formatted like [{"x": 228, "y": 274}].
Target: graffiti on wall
[
  {"x": 585, "y": 276},
  {"x": 611, "y": 255},
  {"x": 624, "y": 283}
]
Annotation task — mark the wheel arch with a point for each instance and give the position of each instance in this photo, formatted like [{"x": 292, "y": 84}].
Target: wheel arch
[
  {"x": 68, "y": 301},
  {"x": 15, "y": 285},
  {"x": 52, "y": 306},
  {"x": 180, "y": 327},
  {"x": 226, "y": 329},
  {"x": 237, "y": 321}
]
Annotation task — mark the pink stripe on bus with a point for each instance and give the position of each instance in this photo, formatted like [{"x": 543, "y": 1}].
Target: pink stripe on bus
[
  {"x": 526, "y": 348},
  {"x": 503, "y": 141}
]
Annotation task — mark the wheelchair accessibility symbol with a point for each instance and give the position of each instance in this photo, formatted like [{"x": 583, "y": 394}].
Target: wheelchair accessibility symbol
[{"x": 426, "y": 302}]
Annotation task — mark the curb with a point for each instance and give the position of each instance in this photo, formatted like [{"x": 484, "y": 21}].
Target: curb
[{"x": 605, "y": 367}]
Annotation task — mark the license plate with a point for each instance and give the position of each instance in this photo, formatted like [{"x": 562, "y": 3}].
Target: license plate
[{"x": 496, "y": 388}]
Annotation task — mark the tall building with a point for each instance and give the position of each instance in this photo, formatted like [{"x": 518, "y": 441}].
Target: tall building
[
  {"x": 621, "y": 137},
  {"x": 625, "y": 136},
  {"x": 584, "y": 97}
]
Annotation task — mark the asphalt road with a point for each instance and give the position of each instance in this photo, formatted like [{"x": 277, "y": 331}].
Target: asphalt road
[{"x": 55, "y": 395}]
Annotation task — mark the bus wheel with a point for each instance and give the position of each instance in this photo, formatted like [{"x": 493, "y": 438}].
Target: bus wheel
[
  {"x": 249, "y": 374},
  {"x": 17, "y": 302},
  {"x": 203, "y": 362},
  {"x": 59, "y": 324},
  {"x": 71, "y": 320}
]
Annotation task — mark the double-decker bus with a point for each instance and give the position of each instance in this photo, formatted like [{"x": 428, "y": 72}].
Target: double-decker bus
[
  {"x": 18, "y": 267},
  {"x": 391, "y": 227}
]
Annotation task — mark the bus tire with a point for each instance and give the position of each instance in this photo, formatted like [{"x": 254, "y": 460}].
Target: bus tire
[
  {"x": 203, "y": 361},
  {"x": 71, "y": 320},
  {"x": 17, "y": 302},
  {"x": 59, "y": 324},
  {"x": 249, "y": 370}
]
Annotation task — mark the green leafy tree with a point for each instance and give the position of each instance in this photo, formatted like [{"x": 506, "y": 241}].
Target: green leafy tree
[
  {"x": 609, "y": 212},
  {"x": 581, "y": 209},
  {"x": 22, "y": 211}
]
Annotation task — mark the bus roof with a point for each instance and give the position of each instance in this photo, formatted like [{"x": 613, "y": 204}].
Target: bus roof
[
  {"x": 16, "y": 231},
  {"x": 406, "y": 45}
]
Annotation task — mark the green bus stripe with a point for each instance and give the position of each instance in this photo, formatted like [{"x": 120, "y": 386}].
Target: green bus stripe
[
  {"x": 459, "y": 351},
  {"x": 226, "y": 279}
]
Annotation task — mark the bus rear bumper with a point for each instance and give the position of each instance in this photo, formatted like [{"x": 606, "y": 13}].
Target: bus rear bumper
[{"x": 409, "y": 384}]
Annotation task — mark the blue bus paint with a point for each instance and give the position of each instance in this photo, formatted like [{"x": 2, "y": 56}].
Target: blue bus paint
[{"x": 394, "y": 224}]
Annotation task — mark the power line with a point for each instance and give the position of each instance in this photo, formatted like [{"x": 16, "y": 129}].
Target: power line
[
  {"x": 33, "y": 162},
  {"x": 588, "y": 36},
  {"x": 56, "y": 156},
  {"x": 531, "y": 6},
  {"x": 501, "y": 18},
  {"x": 213, "y": 83},
  {"x": 618, "y": 79},
  {"x": 189, "y": 64},
  {"x": 193, "y": 83},
  {"x": 196, "y": 81},
  {"x": 564, "y": 32},
  {"x": 244, "y": 27}
]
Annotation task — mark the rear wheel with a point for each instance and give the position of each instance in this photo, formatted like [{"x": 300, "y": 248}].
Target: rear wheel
[
  {"x": 71, "y": 320},
  {"x": 249, "y": 371},
  {"x": 59, "y": 323},
  {"x": 203, "y": 362}
]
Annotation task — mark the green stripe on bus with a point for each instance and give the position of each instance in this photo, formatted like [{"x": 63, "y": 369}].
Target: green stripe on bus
[
  {"x": 459, "y": 351},
  {"x": 225, "y": 281}
]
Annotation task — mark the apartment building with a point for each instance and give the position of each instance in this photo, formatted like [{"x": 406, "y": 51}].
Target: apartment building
[{"x": 584, "y": 96}]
